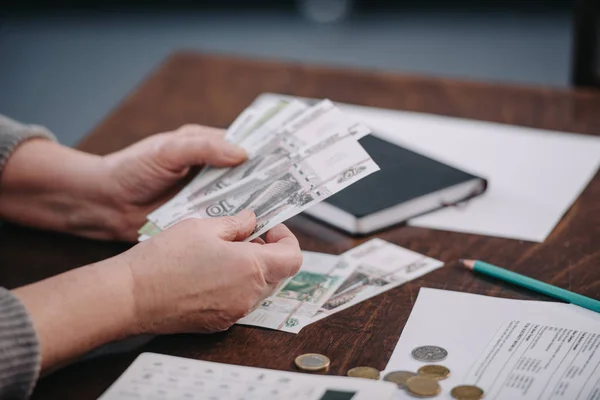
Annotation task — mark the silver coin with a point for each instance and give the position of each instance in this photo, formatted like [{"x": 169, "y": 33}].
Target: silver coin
[{"x": 429, "y": 353}]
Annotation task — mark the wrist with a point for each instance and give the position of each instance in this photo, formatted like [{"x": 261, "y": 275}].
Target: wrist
[
  {"x": 79, "y": 310},
  {"x": 55, "y": 187}
]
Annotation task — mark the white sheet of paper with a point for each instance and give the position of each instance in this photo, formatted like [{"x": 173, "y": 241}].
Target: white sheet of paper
[
  {"x": 534, "y": 175},
  {"x": 471, "y": 327}
]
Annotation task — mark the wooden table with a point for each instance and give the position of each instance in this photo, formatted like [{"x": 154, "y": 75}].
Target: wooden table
[{"x": 212, "y": 90}]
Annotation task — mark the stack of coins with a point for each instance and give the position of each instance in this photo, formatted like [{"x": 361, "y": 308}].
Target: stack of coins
[{"x": 439, "y": 372}]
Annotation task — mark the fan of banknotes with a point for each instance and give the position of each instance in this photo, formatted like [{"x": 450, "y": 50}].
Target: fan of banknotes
[
  {"x": 327, "y": 284},
  {"x": 298, "y": 155}
]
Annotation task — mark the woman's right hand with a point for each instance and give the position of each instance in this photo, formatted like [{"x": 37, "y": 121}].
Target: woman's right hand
[{"x": 198, "y": 277}]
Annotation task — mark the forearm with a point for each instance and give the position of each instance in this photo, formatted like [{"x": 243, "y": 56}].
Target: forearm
[
  {"x": 79, "y": 310},
  {"x": 50, "y": 186}
]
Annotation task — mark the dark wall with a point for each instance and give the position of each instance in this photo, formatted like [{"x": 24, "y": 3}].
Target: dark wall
[{"x": 359, "y": 5}]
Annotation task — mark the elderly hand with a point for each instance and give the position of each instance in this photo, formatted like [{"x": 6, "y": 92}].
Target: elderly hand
[
  {"x": 146, "y": 174},
  {"x": 196, "y": 276},
  {"x": 54, "y": 187}
]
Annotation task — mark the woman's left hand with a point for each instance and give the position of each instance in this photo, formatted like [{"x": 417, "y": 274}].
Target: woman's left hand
[
  {"x": 50, "y": 186},
  {"x": 146, "y": 174}
]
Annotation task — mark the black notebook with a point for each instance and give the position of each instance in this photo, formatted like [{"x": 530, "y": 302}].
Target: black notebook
[{"x": 408, "y": 184}]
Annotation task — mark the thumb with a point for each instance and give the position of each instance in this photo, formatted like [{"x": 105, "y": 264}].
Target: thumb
[
  {"x": 180, "y": 152},
  {"x": 235, "y": 228}
]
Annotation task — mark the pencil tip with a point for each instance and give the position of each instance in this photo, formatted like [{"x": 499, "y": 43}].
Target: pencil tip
[{"x": 467, "y": 263}]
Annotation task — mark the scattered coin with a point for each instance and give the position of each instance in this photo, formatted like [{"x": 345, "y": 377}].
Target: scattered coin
[
  {"x": 422, "y": 386},
  {"x": 312, "y": 362},
  {"x": 467, "y": 392},
  {"x": 364, "y": 372},
  {"x": 429, "y": 353},
  {"x": 437, "y": 372},
  {"x": 399, "y": 377}
]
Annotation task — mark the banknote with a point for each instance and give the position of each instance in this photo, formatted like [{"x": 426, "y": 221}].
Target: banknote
[
  {"x": 273, "y": 141},
  {"x": 297, "y": 299},
  {"x": 271, "y": 127},
  {"x": 323, "y": 124},
  {"x": 148, "y": 230},
  {"x": 249, "y": 120},
  {"x": 242, "y": 128},
  {"x": 288, "y": 187},
  {"x": 258, "y": 146},
  {"x": 265, "y": 118},
  {"x": 242, "y": 123},
  {"x": 298, "y": 156},
  {"x": 327, "y": 284},
  {"x": 282, "y": 151},
  {"x": 377, "y": 266}
]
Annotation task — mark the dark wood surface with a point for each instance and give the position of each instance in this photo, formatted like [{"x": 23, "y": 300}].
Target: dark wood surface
[{"x": 212, "y": 90}]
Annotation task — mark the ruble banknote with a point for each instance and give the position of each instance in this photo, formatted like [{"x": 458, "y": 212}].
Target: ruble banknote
[
  {"x": 377, "y": 266},
  {"x": 287, "y": 131},
  {"x": 327, "y": 284},
  {"x": 287, "y": 187},
  {"x": 298, "y": 298},
  {"x": 263, "y": 120}
]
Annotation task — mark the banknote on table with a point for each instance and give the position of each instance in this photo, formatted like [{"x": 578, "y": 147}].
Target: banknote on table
[
  {"x": 270, "y": 143},
  {"x": 297, "y": 299},
  {"x": 377, "y": 266},
  {"x": 327, "y": 284}
]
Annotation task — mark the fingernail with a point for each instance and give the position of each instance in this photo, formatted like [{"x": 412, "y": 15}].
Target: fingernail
[{"x": 235, "y": 152}]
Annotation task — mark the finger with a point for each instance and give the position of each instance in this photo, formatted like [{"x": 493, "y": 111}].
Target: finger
[
  {"x": 235, "y": 228},
  {"x": 281, "y": 255},
  {"x": 258, "y": 241},
  {"x": 180, "y": 152},
  {"x": 268, "y": 291},
  {"x": 281, "y": 233},
  {"x": 198, "y": 130}
]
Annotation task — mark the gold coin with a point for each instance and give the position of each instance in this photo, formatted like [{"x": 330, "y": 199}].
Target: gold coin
[
  {"x": 422, "y": 386},
  {"x": 312, "y": 362},
  {"x": 467, "y": 392},
  {"x": 399, "y": 377},
  {"x": 364, "y": 372},
  {"x": 437, "y": 372}
]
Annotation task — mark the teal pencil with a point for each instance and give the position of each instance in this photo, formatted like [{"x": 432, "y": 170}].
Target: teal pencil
[{"x": 532, "y": 284}]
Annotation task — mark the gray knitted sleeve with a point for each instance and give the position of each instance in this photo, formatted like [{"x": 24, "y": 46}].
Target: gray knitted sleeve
[
  {"x": 19, "y": 349},
  {"x": 19, "y": 346},
  {"x": 13, "y": 133}
]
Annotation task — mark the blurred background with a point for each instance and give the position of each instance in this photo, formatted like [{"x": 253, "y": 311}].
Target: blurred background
[{"x": 66, "y": 63}]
